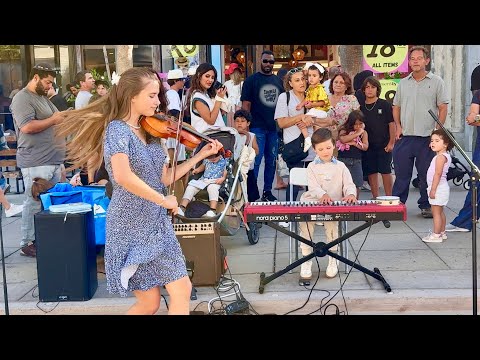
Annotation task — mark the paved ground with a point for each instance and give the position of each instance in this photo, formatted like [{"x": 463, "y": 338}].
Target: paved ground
[{"x": 425, "y": 278}]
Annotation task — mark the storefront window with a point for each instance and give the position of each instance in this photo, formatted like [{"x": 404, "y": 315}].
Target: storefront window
[
  {"x": 10, "y": 79},
  {"x": 44, "y": 53},
  {"x": 64, "y": 75},
  {"x": 94, "y": 58},
  {"x": 142, "y": 55},
  {"x": 10, "y": 68}
]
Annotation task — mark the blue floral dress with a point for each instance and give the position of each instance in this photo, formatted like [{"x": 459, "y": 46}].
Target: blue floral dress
[{"x": 141, "y": 249}]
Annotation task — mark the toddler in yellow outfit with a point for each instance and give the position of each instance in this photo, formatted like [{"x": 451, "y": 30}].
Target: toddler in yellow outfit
[{"x": 315, "y": 96}]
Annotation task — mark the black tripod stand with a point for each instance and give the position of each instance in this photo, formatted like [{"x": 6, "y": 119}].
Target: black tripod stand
[
  {"x": 474, "y": 176},
  {"x": 321, "y": 249}
]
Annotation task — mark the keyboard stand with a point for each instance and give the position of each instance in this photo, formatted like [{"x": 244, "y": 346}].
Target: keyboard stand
[{"x": 321, "y": 249}]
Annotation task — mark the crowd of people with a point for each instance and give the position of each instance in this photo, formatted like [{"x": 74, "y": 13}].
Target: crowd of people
[{"x": 314, "y": 118}]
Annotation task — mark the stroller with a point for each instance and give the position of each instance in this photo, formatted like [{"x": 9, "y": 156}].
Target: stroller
[
  {"x": 233, "y": 193},
  {"x": 456, "y": 173}
]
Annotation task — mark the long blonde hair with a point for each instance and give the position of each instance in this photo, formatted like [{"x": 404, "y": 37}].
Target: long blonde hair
[
  {"x": 86, "y": 127},
  {"x": 236, "y": 76}
]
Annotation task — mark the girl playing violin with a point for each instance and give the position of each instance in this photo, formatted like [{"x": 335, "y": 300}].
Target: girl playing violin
[{"x": 142, "y": 253}]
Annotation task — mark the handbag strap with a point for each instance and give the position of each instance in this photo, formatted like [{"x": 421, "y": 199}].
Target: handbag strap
[{"x": 288, "y": 101}]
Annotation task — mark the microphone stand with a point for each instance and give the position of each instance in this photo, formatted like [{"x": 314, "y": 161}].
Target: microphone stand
[
  {"x": 474, "y": 177},
  {"x": 5, "y": 291}
]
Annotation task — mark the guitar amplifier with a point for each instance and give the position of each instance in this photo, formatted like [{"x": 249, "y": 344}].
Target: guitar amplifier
[
  {"x": 200, "y": 243},
  {"x": 66, "y": 256}
]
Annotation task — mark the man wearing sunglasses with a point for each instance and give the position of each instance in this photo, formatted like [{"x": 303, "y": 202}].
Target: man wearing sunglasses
[{"x": 259, "y": 96}]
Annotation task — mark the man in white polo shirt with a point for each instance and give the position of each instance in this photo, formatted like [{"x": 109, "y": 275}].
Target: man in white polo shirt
[{"x": 416, "y": 94}]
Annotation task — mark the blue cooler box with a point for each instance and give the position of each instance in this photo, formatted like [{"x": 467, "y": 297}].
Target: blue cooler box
[{"x": 64, "y": 193}]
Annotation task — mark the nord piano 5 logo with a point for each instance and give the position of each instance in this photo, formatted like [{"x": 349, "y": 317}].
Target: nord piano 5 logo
[{"x": 272, "y": 218}]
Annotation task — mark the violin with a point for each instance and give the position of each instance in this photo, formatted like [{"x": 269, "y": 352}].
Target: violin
[{"x": 165, "y": 127}]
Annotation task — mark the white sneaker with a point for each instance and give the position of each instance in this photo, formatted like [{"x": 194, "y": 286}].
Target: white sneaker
[
  {"x": 433, "y": 238},
  {"x": 444, "y": 235},
  {"x": 210, "y": 213},
  {"x": 450, "y": 227},
  {"x": 14, "y": 210},
  {"x": 365, "y": 187},
  {"x": 284, "y": 224},
  {"x": 332, "y": 268},
  {"x": 306, "y": 270},
  {"x": 307, "y": 144},
  {"x": 319, "y": 223}
]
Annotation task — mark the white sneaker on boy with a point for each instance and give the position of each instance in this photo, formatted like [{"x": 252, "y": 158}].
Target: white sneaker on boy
[{"x": 332, "y": 268}]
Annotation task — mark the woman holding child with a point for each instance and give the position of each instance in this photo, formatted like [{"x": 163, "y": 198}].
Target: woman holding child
[{"x": 293, "y": 120}]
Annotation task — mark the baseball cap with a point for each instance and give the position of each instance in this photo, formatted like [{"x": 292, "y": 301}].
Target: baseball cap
[{"x": 232, "y": 68}]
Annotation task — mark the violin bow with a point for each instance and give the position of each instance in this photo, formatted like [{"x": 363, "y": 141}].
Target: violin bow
[{"x": 171, "y": 187}]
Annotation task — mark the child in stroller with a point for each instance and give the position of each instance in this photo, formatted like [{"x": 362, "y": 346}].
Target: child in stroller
[
  {"x": 215, "y": 173},
  {"x": 456, "y": 173}
]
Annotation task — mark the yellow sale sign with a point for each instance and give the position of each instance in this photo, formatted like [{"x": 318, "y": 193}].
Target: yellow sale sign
[
  {"x": 385, "y": 58},
  {"x": 183, "y": 50},
  {"x": 389, "y": 89}
]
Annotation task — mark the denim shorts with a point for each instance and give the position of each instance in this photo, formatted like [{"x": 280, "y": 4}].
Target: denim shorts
[{"x": 355, "y": 167}]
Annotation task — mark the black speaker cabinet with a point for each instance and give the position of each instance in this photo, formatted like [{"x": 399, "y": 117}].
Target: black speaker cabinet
[
  {"x": 66, "y": 256},
  {"x": 200, "y": 244}
]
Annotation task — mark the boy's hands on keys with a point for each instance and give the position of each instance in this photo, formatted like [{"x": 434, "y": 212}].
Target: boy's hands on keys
[
  {"x": 326, "y": 200},
  {"x": 350, "y": 199}
]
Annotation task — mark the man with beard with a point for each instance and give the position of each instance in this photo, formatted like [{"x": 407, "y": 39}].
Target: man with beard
[
  {"x": 38, "y": 152},
  {"x": 260, "y": 93}
]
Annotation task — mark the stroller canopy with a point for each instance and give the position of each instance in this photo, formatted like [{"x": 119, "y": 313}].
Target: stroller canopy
[{"x": 228, "y": 136}]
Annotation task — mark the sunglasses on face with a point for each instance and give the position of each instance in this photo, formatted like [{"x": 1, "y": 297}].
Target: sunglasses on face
[
  {"x": 268, "y": 61},
  {"x": 295, "y": 70}
]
